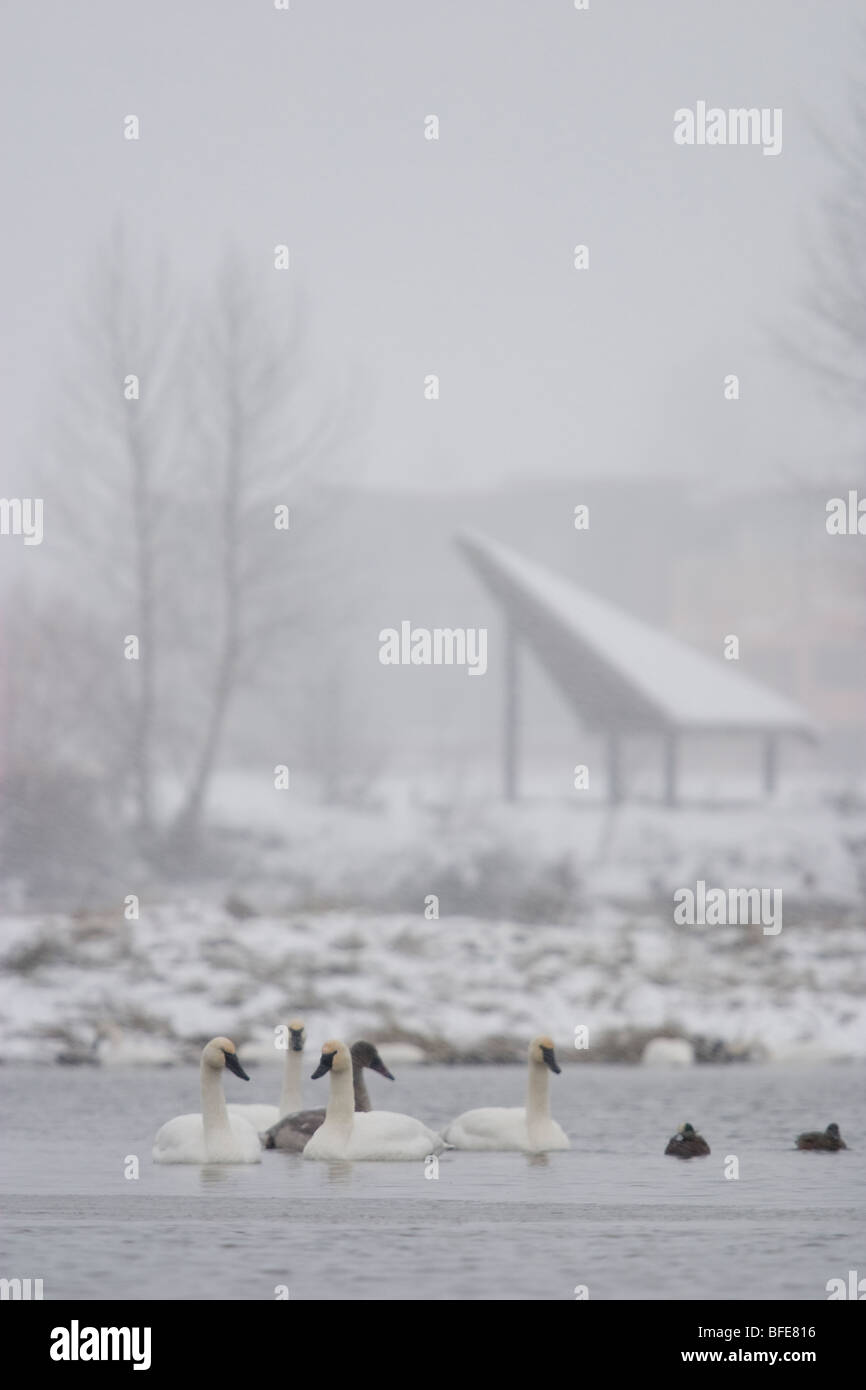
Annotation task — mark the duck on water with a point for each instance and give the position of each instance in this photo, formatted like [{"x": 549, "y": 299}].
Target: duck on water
[
  {"x": 830, "y": 1141},
  {"x": 687, "y": 1143}
]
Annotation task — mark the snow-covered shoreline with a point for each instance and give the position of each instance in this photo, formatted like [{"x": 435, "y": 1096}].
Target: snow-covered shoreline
[
  {"x": 548, "y": 917},
  {"x": 186, "y": 971}
]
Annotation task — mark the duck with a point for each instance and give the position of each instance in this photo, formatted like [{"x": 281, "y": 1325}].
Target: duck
[
  {"x": 213, "y": 1136},
  {"x": 687, "y": 1143},
  {"x": 528, "y": 1128},
  {"x": 828, "y": 1142},
  {"x": 261, "y": 1117},
  {"x": 370, "y": 1136},
  {"x": 293, "y": 1132}
]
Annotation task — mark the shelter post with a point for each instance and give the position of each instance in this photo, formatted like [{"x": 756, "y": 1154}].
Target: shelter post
[
  {"x": 771, "y": 763},
  {"x": 614, "y": 767},
  {"x": 510, "y": 750},
  {"x": 671, "y": 749}
]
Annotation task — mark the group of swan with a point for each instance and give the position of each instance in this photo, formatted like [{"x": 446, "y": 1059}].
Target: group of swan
[{"x": 347, "y": 1128}]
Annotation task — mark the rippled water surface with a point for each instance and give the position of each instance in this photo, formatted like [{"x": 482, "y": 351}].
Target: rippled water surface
[{"x": 613, "y": 1213}]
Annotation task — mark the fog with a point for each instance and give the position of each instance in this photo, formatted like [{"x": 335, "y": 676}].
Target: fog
[
  {"x": 452, "y": 256},
  {"x": 296, "y": 298}
]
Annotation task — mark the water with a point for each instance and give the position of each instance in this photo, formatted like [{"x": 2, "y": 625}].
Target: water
[{"x": 613, "y": 1214}]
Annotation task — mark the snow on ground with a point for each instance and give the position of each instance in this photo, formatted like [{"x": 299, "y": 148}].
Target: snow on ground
[
  {"x": 188, "y": 970},
  {"x": 550, "y": 918}
]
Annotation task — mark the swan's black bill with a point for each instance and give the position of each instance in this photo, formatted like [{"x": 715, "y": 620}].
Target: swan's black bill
[
  {"x": 234, "y": 1065},
  {"x": 325, "y": 1063},
  {"x": 378, "y": 1065},
  {"x": 296, "y": 1036},
  {"x": 550, "y": 1060}
]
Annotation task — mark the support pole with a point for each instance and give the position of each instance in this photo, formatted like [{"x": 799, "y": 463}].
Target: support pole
[
  {"x": 614, "y": 768},
  {"x": 771, "y": 764},
  {"x": 510, "y": 749},
  {"x": 671, "y": 749}
]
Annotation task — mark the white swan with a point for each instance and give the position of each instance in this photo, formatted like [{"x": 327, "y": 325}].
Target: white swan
[
  {"x": 530, "y": 1129},
  {"x": 293, "y": 1132},
  {"x": 213, "y": 1136},
  {"x": 261, "y": 1117},
  {"x": 377, "y": 1135}
]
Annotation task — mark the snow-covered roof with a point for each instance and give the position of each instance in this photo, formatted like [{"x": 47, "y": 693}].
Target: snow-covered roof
[{"x": 620, "y": 671}]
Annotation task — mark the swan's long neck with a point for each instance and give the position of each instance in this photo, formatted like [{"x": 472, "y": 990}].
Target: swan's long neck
[
  {"x": 213, "y": 1101},
  {"x": 359, "y": 1086},
  {"x": 538, "y": 1094},
  {"x": 341, "y": 1106},
  {"x": 290, "y": 1095}
]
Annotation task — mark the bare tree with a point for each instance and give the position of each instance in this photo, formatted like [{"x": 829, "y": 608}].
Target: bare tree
[
  {"x": 263, "y": 446},
  {"x": 830, "y": 337},
  {"x": 106, "y": 474},
  {"x": 827, "y": 340},
  {"x": 163, "y": 495}
]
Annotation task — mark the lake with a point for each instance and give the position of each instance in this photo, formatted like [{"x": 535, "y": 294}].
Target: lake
[{"x": 613, "y": 1214}]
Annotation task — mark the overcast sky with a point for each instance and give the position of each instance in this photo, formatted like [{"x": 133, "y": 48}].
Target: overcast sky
[{"x": 307, "y": 127}]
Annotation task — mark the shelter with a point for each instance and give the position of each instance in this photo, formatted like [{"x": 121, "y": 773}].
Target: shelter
[{"x": 621, "y": 674}]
